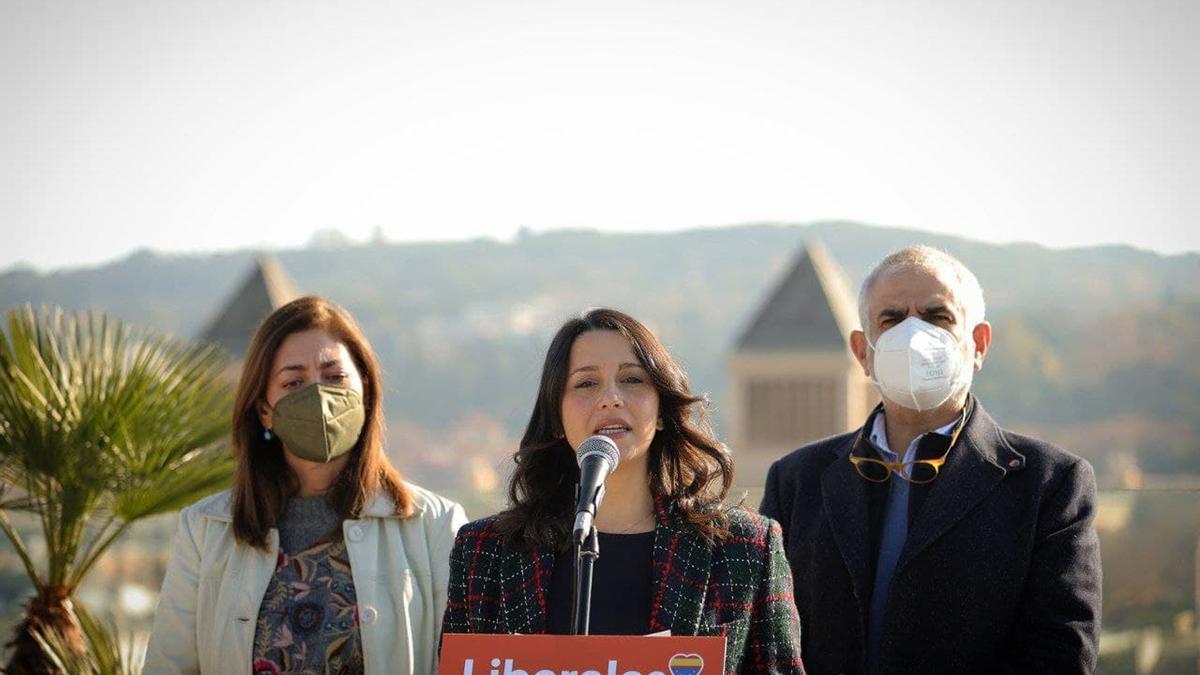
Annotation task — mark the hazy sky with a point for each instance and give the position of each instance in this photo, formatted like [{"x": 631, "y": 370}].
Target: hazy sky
[{"x": 213, "y": 125}]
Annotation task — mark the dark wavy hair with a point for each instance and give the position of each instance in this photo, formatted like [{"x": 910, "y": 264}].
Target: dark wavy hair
[
  {"x": 263, "y": 481},
  {"x": 689, "y": 468}
]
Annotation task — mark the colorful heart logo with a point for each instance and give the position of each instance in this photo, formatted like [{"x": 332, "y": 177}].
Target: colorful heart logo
[{"x": 686, "y": 664}]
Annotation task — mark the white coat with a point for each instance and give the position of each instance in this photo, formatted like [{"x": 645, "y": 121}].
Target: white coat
[{"x": 208, "y": 609}]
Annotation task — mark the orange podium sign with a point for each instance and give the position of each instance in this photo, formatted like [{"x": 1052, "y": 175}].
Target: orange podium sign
[{"x": 581, "y": 655}]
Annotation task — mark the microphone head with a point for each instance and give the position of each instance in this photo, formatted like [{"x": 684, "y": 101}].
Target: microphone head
[{"x": 600, "y": 445}]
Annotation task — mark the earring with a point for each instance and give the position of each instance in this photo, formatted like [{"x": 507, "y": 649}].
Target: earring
[
  {"x": 659, "y": 426},
  {"x": 267, "y": 435}
]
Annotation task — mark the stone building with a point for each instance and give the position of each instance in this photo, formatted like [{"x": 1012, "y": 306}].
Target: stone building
[
  {"x": 267, "y": 287},
  {"x": 792, "y": 376}
]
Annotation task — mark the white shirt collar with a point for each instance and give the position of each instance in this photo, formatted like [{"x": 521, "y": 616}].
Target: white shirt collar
[{"x": 879, "y": 437}]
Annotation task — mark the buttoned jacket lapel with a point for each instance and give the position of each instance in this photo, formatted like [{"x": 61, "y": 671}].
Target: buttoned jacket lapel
[
  {"x": 682, "y": 564},
  {"x": 844, "y": 500},
  {"x": 976, "y": 464}
]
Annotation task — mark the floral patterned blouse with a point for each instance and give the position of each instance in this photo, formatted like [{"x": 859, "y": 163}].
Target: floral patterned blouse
[{"x": 308, "y": 620}]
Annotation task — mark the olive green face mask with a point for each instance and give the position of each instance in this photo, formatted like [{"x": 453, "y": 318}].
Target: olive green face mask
[{"x": 319, "y": 422}]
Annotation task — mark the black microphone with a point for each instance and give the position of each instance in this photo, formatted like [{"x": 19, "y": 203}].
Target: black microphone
[{"x": 597, "y": 456}]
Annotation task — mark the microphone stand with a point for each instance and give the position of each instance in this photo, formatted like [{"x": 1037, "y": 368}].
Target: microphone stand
[{"x": 581, "y": 600}]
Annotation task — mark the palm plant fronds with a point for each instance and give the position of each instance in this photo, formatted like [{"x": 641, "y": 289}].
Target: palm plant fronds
[
  {"x": 105, "y": 652},
  {"x": 102, "y": 425}
]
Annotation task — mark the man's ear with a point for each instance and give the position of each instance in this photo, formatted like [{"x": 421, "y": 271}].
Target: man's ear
[
  {"x": 982, "y": 335},
  {"x": 858, "y": 345}
]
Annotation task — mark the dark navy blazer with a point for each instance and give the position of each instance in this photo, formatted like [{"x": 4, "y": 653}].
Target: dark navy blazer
[{"x": 1000, "y": 572}]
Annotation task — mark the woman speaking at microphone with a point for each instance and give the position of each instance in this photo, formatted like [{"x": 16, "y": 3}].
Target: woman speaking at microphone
[
  {"x": 321, "y": 558},
  {"x": 672, "y": 555}
]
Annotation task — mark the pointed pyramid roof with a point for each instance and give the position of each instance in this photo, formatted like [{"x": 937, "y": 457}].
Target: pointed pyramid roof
[
  {"x": 811, "y": 308},
  {"x": 266, "y": 288}
]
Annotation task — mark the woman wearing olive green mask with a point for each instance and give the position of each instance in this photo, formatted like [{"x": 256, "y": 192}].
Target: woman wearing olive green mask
[{"x": 320, "y": 558}]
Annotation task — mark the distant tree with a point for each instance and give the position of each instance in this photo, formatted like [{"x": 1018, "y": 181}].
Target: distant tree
[
  {"x": 378, "y": 236},
  {"x": 100, "y": 426},
  {"x": 329, "y": 237}
]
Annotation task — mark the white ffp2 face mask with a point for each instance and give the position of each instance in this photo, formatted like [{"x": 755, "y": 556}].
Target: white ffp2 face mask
[{"x": 919, "y": 365}]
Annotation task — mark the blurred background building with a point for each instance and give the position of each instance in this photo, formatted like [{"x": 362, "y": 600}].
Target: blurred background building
[{"x": 792, "y": 377}]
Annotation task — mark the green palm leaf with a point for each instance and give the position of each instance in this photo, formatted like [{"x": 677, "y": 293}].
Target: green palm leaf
[
  {"x": 102, "y": 425},
  {"x": 106, "y": 652}
]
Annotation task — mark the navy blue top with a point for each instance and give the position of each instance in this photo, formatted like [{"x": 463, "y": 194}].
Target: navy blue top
[{"x": 621, "y": 587}]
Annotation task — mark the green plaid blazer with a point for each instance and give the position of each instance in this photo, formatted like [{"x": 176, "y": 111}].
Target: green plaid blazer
[{"x": 739, "y": 588}]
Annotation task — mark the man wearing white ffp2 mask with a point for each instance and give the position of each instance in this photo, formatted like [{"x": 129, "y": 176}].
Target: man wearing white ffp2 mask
[
  {"x": 931, "y": 539},
  {"x": 920, "y": 366}
]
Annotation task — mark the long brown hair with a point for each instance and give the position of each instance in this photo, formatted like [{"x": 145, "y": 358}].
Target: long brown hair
[
  {"x": 689, "y": 468},
  {"x": 263, "y": 481}
]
